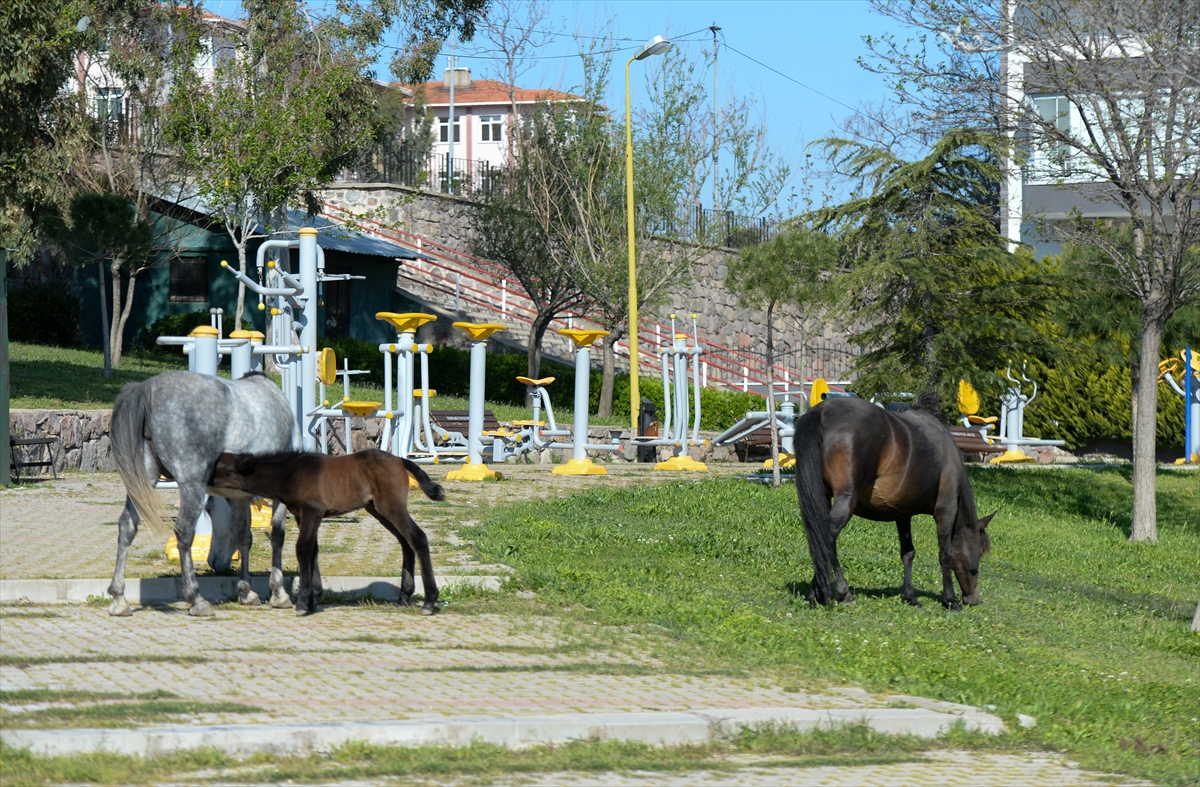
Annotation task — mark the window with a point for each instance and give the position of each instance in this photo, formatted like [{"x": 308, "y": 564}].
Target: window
[
  {"x": 189, "y": 280},
  {"x": 444, "y": 129},
  {"x": 490, "y": 128},
  {"x": 109, "y": 103},
  {"x": 1052, "y": 154}
]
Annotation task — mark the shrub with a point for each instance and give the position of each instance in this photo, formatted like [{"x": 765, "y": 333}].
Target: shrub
[
  {"x": 177, "y": 325},
  {"x": 43, "y": 314}
]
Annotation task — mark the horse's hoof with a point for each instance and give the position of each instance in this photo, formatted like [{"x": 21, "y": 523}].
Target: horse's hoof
[
  {"x": 201, "y": 609},
  {"x": 429, "y": 609},
  {"x": 302, "y": 611},
  {"x": 120, "y": 608},
  {"x": 404, "y": 601},
  {"x": 912, "y": 602},
  {"x": 846, "y": 600},
  {"x": 953, "y": 606},
  {"x": 280, "y": 599},
  {"x": 250, "y": 599}
]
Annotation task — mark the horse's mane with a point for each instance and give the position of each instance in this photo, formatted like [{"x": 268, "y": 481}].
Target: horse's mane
[
  {"x": 929, "y": 401},
  {"x": 279, "y": 457},
  {"x": 968, "y": 514}
]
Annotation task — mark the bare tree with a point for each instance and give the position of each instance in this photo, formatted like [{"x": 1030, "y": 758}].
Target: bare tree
[
  {"x": 511, "y": 35},
  {"x": 1119, "y": 124}
]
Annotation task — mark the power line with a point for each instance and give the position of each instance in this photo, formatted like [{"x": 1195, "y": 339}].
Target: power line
[{"x": 819, "y": 93}]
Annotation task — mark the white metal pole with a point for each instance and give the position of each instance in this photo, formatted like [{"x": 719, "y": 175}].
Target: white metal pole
[{"x": 308, "y": 332}]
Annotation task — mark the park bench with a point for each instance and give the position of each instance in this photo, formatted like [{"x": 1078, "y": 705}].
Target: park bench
[
  {"x": 18, "y": 464},
  {"x": 970, "y": 441},
  {"x": 458, "y": 420}
]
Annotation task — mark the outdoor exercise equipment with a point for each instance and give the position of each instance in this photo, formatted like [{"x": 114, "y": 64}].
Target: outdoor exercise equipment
[
  {"x": 579, "y": 463},
  {"x": 675, "y": 359},
  {"x": 1012, "y": 421},
  {"x": 968, "y": 407},
  {"x": 755, "y": 420},
  {"x": 1187, "y": 367},
  {"x": 475, "y": 469}
]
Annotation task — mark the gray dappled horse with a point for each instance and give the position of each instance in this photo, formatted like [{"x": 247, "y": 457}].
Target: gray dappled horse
[{"x": 178, "y": 424}]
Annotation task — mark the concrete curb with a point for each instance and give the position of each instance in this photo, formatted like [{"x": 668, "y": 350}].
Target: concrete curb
[
  {"x": 165, "y": 590},
  {"x": 653, "y": 728}
]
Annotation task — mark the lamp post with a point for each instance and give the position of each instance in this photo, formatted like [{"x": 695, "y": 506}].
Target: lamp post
[{"x": 655, "y": 46}]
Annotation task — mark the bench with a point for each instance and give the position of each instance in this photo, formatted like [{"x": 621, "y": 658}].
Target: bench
[
  {"x": 459, "y": 420},
  {"x": 25, "y": 442},
  {"x": 970, "y": 441}
]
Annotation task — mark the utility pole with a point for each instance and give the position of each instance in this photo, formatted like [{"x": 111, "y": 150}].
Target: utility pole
[
  {"x": 453, "y": 63},
  {"x": 716, "y": 119}
]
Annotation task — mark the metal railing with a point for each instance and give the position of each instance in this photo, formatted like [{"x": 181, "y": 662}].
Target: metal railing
[{"x": 398, "y": 163}]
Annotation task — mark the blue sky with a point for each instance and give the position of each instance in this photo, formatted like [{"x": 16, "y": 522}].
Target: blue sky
[{"x": 813, "y": 42}]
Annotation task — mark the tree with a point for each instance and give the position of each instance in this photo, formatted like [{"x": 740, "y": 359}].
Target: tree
[
  {"x": 120, "y": 148},
  {"x": 507, "y": 231},
  {"x": 1127, "y": 75},
  {"x": 511, "y": 34},
  {"x": 927, "y": 269},
  {"x": 38, "y": 42},
  {"x": 293, "y": 105},
  {"x": 792, "y": 270},
  {"x": 106, "y": 228}
]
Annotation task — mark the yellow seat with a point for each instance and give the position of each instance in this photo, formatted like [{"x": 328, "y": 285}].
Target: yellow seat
[
  {"x": 529, "y": 423},
  {"x": 361, "y": 409},
  {"x": 480, "y": 331},
  {"x": 419, "y": 393},
  {"x": 408, "y": 322},
  {"x": 530, "y": 381},
  {"x": 818, "y": 392},
  {"x": 581, "y": 337},
  {"x": 501, "y": 432},
  {"x": 976, "y": 419}
]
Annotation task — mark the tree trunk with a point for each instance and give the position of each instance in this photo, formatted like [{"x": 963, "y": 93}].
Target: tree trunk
[
  {"x": 1196, "y": 620},
  {"x": 1145, "y": 431},
  {"x": 607, "y": 375},
  {"x": 929, "y": 339},
  {"x": 241, "y": 299},
  {"x": 126, "y": 309},
  {"x": 533, "y": 365},
  {"x": 774, "y": 425},
  {"x": 1134, "y": 366},
  {"x": 803, "y": 365},
  {"x": 114, "y": 320},
  {"x": 104, "y": 321}
]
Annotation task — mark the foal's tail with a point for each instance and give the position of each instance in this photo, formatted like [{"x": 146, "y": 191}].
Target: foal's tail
[
  {"x": 814, "y": 501},
  {"x": 432, "y": 489},
  {"x": 128, "y": 435}
]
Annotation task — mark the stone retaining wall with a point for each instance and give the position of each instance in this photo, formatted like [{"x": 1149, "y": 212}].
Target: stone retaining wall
[
  {"x": 86, "y": 444},
  {"x": 84, "y": 435}
]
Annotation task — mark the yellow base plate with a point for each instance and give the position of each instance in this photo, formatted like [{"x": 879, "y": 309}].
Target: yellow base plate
[
  {"x": 1193, "y": 459},
  {"x": 200, "y": 547},
  {"x": 786, "y": 460},
  {"x": 473, "y": 472},
  {"x": 260, "y": 517},
  {"x": 683, "y": 462},
  {"x": 579, "y": 467},
  {"x": 1010, "y": 457}
]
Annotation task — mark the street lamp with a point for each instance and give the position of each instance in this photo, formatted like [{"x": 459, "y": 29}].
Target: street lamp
[{"x": 655, "y": 46}]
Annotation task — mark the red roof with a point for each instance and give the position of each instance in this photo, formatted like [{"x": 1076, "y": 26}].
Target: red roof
[{"x": 487, "y": 91}]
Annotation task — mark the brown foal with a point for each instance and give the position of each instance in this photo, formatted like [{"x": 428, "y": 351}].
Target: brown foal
[{"x": 314, "y": 486}]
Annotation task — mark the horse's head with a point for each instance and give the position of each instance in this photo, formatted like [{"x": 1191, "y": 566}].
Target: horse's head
[
  {"x": 231, "y": 472},
  {"x": 967, "y": 544}
]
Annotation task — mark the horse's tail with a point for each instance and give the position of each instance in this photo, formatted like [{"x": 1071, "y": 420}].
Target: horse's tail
[
  {"x": 814, "y": 500},
  {"x": 432, "y": 489},
  {"x": 128, "y": 435}
]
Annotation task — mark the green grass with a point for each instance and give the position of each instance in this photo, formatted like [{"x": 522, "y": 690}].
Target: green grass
[
  {"x": 118, "y": 714},
  {"x": 73, "y": 379},
  {"x": 778, "y": 747},
  {"x": 1078, "y": 628}
]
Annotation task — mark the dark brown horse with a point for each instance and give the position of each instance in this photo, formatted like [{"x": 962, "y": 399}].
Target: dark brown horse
[
  {"x": 314, "y": 486},
  {"x": 886, "y": 467}
]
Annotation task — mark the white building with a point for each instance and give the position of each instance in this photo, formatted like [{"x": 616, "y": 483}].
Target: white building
[{"x": 483, "y": 110}]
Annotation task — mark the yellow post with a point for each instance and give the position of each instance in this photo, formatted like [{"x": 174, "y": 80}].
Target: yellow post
[{"x": 635, "y": 398}]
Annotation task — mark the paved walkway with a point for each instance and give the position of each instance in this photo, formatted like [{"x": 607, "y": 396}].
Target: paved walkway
[{"x": 377, "y": 662}]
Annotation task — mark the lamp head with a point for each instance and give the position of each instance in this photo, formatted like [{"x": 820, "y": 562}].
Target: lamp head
[{"x": 655, "y": 46}]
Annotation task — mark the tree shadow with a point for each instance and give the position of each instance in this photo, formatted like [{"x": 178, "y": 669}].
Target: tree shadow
[{"x": 800, "y": 590}]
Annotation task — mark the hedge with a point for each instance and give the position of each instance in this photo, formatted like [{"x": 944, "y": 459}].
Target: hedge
[{"x": 43, "y": 314}]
